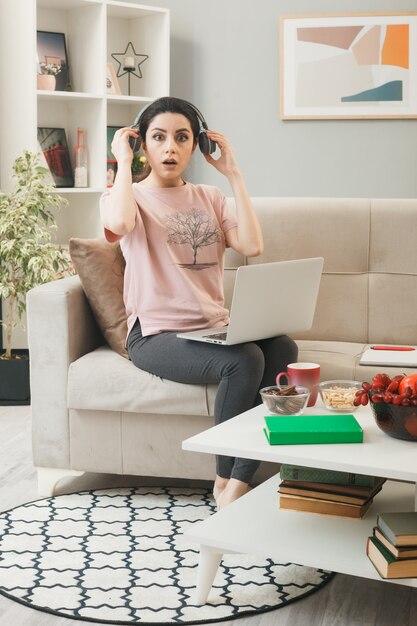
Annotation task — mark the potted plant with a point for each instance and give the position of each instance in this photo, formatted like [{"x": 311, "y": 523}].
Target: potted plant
[
  {"x": 139, "y": 164},
  {"x": 46, "y": 78},
  {"x": 28, "y": 257}
]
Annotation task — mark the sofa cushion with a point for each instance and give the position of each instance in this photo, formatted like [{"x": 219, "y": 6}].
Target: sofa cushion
[
  {"x": 338, "y": 359},
  {"x": 100, "y": 266},
  {"x": 297, "y": 228},
  {"x": 103, "y": 380}
]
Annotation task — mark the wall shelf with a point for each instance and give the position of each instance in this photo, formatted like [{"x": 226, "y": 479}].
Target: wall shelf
[
  {"x": 129, "y": 99},
  {"x": 66, "y": 95}
]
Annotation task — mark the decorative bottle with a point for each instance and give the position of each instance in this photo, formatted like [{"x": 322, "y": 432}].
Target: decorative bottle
[{"x": 80, "y": 160}]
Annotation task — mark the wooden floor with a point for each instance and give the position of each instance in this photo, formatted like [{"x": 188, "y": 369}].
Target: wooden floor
[{"x": 345, "y": 601}]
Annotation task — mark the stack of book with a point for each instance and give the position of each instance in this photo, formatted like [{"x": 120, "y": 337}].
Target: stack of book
[
  {"x": 393, "y": 546},
  {"x": 326, "y": 491}
]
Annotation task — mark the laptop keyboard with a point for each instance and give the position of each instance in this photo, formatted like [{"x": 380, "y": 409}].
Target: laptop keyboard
[{"x": 221, "y": 336}]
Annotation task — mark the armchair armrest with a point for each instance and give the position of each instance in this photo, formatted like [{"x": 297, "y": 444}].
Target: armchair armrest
[{"x": 61, "y": 328}]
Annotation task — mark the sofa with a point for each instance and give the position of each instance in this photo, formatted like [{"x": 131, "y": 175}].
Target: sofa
[{"x": 93, "y": 411}]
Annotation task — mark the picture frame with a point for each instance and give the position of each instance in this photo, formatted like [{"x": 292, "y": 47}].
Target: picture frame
[
  {"x": 52, "y": 59},
  {"x": 53, "y": 144},
  {"x": 347, "y": 66},
  {"x": 111, "y": 172},
  {"x": 111, "y": 161},
  {"x": 112, "y": 83}
]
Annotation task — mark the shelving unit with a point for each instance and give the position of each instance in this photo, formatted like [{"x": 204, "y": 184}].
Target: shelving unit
[{"x": 94, "y": 29}]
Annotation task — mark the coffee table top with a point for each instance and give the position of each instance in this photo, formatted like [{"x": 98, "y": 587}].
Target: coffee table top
[{"x": 378, "y": 455}]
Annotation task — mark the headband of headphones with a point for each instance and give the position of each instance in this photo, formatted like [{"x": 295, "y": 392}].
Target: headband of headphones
[{"x": 206, "y": 145}]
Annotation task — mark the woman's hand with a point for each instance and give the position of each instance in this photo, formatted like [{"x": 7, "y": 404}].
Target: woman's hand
[
  {"x": 226, "y": 164},
  {"x": 120, "y": 146}
]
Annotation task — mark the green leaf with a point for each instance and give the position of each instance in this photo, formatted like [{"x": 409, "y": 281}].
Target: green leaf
[{"x": 27, "y": 255}]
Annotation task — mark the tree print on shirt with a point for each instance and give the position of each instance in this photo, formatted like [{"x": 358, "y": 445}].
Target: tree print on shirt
[{"x": 194, "y": 228}]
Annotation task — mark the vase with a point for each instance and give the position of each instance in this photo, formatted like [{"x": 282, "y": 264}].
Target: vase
[{"x": 46, "y": 81}]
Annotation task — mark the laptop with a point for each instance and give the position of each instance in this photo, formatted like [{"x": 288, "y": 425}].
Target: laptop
[{"x": 269, "y": 299}]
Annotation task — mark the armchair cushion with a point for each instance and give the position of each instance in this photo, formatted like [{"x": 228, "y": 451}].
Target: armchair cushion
[
  {"x": 102, "y": 381},
  {"x": 100, "y": 266}
]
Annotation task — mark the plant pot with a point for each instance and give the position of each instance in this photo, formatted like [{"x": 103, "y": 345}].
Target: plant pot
[
  {"x": 14, "y": 379},
  {"x": 46, "y": 81}
]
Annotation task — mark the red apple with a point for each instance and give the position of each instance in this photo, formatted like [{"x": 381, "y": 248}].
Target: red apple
[{"x": 408, "y": 381}]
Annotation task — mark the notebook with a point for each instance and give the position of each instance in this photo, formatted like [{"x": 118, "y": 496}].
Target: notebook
[
  {"x": 269, "y": 299},
  {"x": 394, "y": 358}
]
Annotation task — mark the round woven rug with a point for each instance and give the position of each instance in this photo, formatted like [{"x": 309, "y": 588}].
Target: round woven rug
[{"x": 119, "y": 556}]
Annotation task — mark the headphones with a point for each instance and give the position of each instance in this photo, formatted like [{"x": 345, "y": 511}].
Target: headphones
[{"x": 206, "y": 145}]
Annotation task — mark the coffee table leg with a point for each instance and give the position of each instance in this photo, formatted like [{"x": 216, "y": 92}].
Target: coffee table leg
[{"x": 208, "y": 565}]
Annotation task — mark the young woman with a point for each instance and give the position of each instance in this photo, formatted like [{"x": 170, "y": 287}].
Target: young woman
[{"x": 173, "y": 235}]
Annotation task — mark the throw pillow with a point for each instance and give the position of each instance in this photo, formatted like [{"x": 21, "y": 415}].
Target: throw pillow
[{"x": 100, "y": 266}]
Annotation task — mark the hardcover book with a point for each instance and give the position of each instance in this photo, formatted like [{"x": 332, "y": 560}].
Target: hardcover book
[
  {"x": 316, "y": 505},
  {"x": 317, "y": 475},
  {"x": 341, "y": 489},
  {"x": 386, "y": 564},
  {"x": 301, "y": 429},
  {"x": 404, "y": 552},
  {"x": 322, "y": 494},
  {"x": 399, "y": 528}
]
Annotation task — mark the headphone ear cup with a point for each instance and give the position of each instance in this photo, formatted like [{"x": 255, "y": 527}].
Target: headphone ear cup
[
  {"x": 207, "y": 146},
  {"x": 203, "y": 142}
]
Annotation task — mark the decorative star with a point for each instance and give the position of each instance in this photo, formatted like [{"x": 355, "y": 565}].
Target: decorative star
[{"x": 142, "y": 58}]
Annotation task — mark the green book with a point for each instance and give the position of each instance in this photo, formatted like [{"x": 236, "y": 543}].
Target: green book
[
  {"x": 386, "y": 564},
  {"x": 400, "y": 528},
  {"x": 316, "y": 475},
  {"x": 296, "y": 429}
]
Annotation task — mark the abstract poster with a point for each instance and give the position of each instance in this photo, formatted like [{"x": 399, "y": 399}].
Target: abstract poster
[{"x": 344, "y": 67}]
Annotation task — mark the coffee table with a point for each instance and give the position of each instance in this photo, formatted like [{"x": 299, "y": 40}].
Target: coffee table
[{"x": 254, "y": 524}]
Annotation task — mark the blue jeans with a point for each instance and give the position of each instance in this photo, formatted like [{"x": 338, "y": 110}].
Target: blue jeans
[{"x": 239, "y": 370}]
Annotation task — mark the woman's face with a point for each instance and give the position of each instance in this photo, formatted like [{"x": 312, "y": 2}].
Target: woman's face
[{"x": 168, "y": 145}]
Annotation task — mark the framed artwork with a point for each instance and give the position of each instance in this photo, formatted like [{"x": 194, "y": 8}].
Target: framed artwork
[
  {"x": 111, "y": 161},
  {"x": 348, "y": 66},
  {"x": 52, "y": 58},
  {"x": 53, "y": 144},
  {"x": 112, "y": 83}
]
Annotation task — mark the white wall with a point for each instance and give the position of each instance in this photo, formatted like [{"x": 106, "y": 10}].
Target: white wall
[{"x": 224, "y": 58}]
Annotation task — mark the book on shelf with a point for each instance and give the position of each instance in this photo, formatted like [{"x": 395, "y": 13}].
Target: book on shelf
[
  {"x": 386, "y": 564},
  {"x": 318, "y": 505},
  {"x": 311, "y": 429},
  {"x": 352, "y": 490},
  {"x": 318, "y": 475},
  {"x": 400, "y": 528},
  {"x": 398, "y": 552},
  {"x": 319, "y": 491}
]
